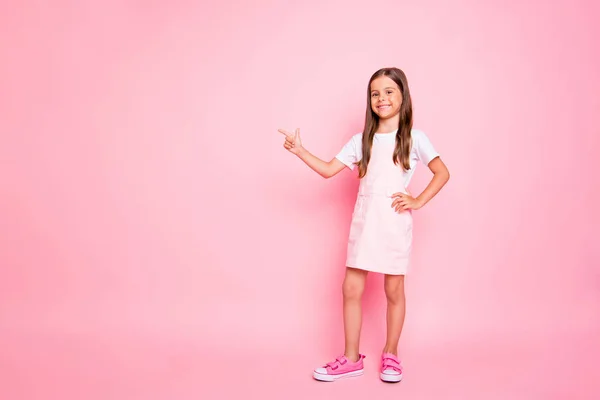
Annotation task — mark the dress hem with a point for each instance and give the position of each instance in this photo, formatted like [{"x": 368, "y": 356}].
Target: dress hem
[{"x": 377, "y": 271}]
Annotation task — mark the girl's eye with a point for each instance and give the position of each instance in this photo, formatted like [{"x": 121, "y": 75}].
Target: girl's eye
[
  {"x": 389, "y": 92},
  {"x": 374, "y": 94}
]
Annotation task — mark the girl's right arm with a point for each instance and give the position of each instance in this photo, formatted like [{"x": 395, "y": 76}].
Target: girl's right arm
[
  {"x": 293, "y": 144},
  {"x": 323, "y": 168}
]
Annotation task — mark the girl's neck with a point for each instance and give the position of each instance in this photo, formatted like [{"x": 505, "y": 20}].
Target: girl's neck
[
  {"x": 388, "y": 125},
  {"x": 386, "y": 128}
]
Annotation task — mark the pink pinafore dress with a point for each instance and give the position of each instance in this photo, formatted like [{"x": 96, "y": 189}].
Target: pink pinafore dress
[{"x": 380, "y": 238}]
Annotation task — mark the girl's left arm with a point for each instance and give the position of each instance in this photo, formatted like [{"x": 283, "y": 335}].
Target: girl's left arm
[{"x": 441, "y": 175}]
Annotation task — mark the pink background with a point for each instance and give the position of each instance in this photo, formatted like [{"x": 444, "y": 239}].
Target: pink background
[{"x": 157, "y": 241}]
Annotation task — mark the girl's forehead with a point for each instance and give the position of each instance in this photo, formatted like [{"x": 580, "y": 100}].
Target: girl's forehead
[{"x": 383, "y": 82}]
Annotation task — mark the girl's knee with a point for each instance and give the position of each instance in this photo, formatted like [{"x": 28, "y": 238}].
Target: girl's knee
[
  {"x": 395, "y": 297},
  {"x": 352, "y": 290},
  {"x": 394, "y": 290}
]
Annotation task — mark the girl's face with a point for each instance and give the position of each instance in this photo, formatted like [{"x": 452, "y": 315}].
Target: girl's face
[{"x": 386, "y": 97}]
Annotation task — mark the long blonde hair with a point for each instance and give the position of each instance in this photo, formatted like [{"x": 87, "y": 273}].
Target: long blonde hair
[{"x": 403, "y": 138}]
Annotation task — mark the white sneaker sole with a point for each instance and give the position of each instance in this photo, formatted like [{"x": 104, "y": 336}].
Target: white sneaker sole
[
  {"x": 331, "y": 378},
  {"x": 390, "y": 377}
]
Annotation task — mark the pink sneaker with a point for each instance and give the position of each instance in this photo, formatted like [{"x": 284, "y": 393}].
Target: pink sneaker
[
  {"x": 340, "y": 368},
  {"x": 391, "y": 370}
]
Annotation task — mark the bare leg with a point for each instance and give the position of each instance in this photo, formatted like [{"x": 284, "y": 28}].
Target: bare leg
[
  {"x": 396, "y": 308},
  {"x": 352, "y": 289}
]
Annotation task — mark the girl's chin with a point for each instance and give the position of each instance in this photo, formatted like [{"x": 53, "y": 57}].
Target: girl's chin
[{"x": 385, "y": 115}]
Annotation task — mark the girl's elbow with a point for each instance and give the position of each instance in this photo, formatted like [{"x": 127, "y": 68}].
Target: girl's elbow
[
  {"x": 327, "y": 173},
  {"x": 446, "y": 178},
  {"x": 443, "y": 169},
  {"x": 443, "y": 175}
]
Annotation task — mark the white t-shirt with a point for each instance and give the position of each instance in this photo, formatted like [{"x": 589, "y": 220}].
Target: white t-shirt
[{"x": 422, "y": 150}]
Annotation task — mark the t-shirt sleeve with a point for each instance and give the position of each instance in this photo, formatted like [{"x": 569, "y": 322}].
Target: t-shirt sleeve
[
  {"x": 424, "y": 148},
  {"x": 349, "y": 154}
]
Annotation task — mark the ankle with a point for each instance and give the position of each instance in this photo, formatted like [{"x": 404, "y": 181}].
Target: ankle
[
  {"x": 391, "y": 350},
  {"x": 351, "y": 356}
]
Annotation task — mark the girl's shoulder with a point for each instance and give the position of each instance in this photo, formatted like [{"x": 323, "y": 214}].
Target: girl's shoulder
[
  {"x": 419, "y": 137},
  {"x": 422, "y": 147},
  {"x": 417, "y": 134},
  {"x": 356, "y": 139}
]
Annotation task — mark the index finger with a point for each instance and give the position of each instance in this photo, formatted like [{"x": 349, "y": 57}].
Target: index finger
[{"x": 286, "y": 133}]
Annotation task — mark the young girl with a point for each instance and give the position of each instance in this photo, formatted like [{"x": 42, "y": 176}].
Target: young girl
[{"x": 380, "y": 238}]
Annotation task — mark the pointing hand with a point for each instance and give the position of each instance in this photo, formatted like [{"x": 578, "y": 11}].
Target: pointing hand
[{"x": 292, "y": 143}]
